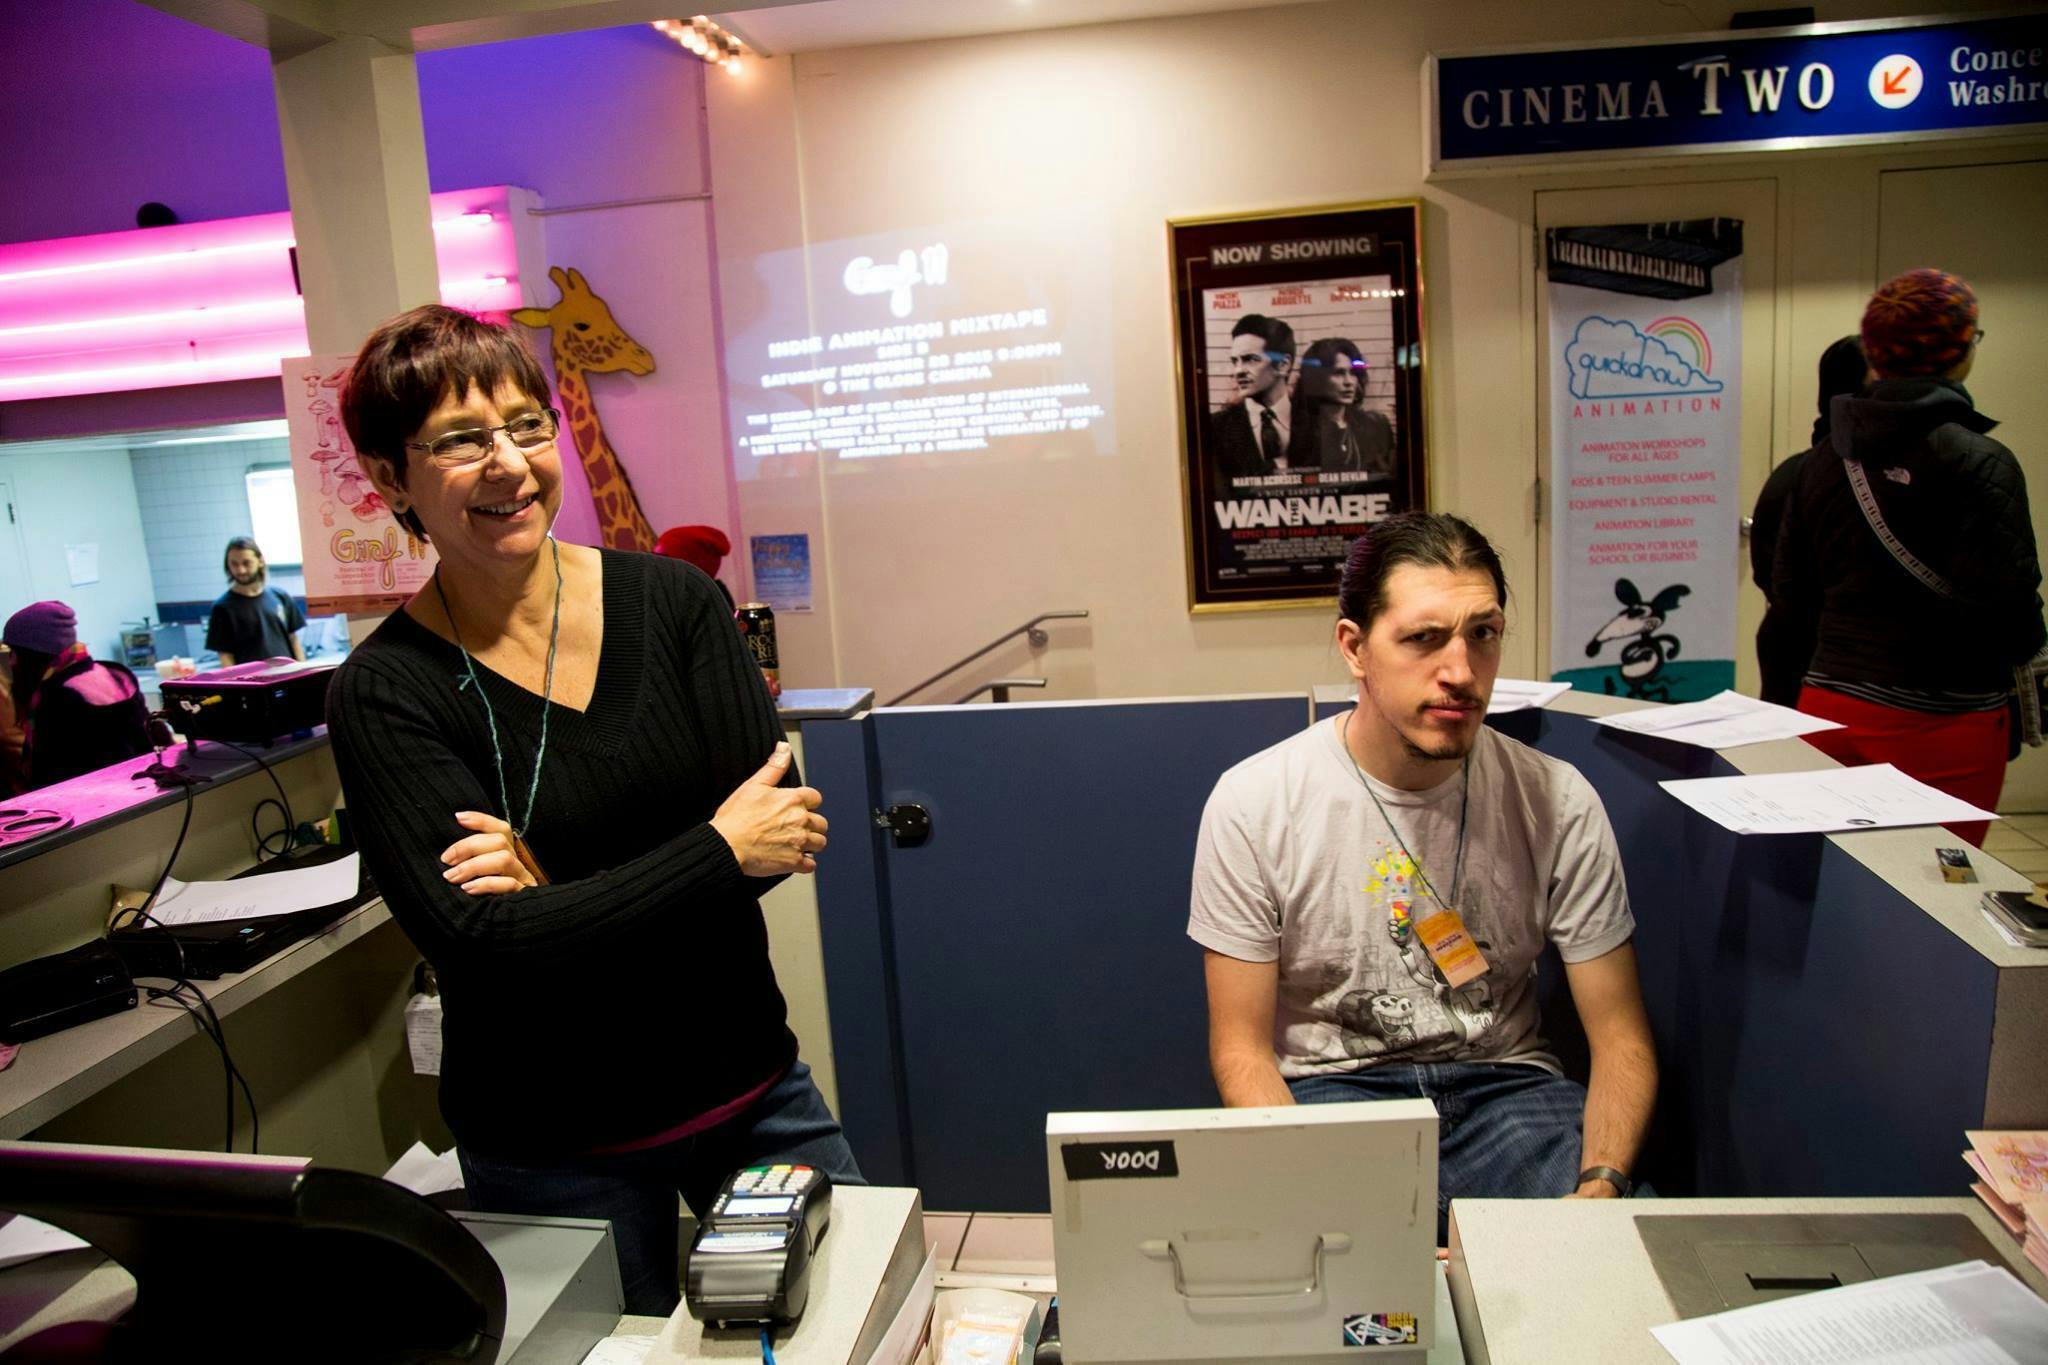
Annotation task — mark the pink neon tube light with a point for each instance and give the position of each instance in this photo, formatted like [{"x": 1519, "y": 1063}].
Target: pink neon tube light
[{"x": 202, "y": 302}]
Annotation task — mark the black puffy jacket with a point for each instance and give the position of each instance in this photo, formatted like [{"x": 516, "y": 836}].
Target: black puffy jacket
[{"x": 1957, "y": 500}]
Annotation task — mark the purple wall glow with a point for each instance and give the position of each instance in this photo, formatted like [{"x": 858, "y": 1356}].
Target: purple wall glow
[
  {"x": 581, "y": 117},
  {"x": 122, "y": 104},
  {"x": 109, "y": 104}
]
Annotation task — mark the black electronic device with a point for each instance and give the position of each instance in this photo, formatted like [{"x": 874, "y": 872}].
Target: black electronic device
[
  {"x": 751, "y": 1259},
  {"x": 2023, "y": 913},
  {"x": 251, "y": 1258},
  {"x": 213, "y": 950},
  {"x": 55, "y": 992},
  {"x": 250, "y": 703}
]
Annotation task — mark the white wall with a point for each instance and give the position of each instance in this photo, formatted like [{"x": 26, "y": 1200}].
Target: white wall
[
  {"x": 610, "y": 134},
  {"x": 920, "y": 560},
  {"x": 197, "y": 498},
  {"x": 79, "y": 497}
]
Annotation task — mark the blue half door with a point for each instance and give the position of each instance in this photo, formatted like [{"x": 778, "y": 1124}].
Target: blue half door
[{"x": 1040, "y": 932}]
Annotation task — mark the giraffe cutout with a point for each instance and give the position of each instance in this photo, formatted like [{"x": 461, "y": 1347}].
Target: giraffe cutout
[{"x": 586, "y": 341}]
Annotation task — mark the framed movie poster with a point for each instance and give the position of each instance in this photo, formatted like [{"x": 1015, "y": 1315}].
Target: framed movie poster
[{"x": 1299, "y": 347}]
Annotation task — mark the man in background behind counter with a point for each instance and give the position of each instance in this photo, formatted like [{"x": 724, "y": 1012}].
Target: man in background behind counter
[{"x": 253, "y": 620}]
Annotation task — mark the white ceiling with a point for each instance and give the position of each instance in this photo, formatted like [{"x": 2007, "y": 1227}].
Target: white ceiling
[{"x": 777, "y": 28}]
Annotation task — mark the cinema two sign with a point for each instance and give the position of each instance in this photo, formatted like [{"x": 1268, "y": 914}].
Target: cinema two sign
[{"x": 1816, "y": 86}]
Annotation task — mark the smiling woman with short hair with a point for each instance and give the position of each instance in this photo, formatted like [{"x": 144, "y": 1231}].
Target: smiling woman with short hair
[{"x": 613, "y": 1032}]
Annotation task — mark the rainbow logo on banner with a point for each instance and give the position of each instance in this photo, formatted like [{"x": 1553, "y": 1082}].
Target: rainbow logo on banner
[
  {"x": 1613, "y": 358},
  {"x": 1687, "y": 333}
]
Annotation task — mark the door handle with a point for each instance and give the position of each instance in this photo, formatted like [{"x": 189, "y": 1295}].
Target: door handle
[{"x": 908, "y": 824}]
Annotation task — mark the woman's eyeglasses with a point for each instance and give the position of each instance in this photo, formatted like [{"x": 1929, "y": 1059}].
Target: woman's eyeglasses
[{"x": 457, "y": 449}]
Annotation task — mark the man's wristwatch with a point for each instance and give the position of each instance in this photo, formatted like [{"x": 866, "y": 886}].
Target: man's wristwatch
[{"x": 1622, "y": 1184}]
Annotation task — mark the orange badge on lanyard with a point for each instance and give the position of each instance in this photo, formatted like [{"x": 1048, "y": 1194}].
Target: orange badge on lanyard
[{"x": 1451, "y": 948}]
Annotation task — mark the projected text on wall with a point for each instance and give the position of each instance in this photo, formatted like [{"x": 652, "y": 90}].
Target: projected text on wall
[{"x": 937, "y": 346}]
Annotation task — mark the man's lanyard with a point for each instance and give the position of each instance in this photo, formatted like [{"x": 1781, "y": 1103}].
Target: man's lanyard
[
  {"x": 1464, "y": 808},
  {"x": 1443, "y": 934}
]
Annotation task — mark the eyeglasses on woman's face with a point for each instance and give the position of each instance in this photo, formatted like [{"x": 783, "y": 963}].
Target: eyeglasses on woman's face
[{"x": 472, "y": 445}]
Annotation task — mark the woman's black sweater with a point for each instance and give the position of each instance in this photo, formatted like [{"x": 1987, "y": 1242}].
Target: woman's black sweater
[{"x": 633, "y": 992}]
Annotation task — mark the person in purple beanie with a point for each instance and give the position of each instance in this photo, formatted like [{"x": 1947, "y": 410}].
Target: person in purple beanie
[{"x": 77, "y": 714}]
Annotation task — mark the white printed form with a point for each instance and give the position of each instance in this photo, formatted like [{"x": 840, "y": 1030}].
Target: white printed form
[
  {"x": 1875, "y": 796},
  {"x": 1969, "y": 1314},
  {"x": 1722, "y": 722},
  {"x": 268, "y": 893}
]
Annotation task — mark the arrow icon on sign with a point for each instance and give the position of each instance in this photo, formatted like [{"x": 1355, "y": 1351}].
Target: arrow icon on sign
[{"x": 1895, "y": 82}]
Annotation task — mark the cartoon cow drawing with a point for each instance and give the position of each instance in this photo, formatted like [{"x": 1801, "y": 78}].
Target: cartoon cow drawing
[{"x": 1644, "y": 655}]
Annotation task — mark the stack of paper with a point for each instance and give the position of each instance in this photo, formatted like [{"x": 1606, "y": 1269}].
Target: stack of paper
[
  {"x": 1969, "y": 1314},
  {"x": 2013, "y": 1170},
  {"x": 1723, "y": 722},
  {"x": 1519, "y": 694}
]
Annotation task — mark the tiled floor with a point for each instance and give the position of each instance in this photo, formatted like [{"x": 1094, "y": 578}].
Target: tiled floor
[{"x": 2021, "y": 843}]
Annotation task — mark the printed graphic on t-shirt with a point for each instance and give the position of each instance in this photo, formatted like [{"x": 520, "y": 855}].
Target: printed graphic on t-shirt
[{"x": 1388, "y": 1001}]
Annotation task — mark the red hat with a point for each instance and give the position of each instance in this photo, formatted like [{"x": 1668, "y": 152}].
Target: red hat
[
  {"x": 1920, "y": 325},
  {"x": 704, "y": 546}
]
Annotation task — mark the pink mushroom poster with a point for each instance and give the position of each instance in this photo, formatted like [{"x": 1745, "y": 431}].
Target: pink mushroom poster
[{"x": 358, "y": 558}]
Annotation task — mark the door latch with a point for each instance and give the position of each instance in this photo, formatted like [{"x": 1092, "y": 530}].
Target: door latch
[{"x": 909, "y": 825}]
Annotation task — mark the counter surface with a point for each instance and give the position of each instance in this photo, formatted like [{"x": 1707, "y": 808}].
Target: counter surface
[
  {"x": 1565, "y": 1281},
  {"x": 56, "y": 1072},
  {"x": 99, "y": 801}
]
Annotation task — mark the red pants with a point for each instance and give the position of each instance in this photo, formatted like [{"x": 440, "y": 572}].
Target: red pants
[{"x": 1963, "y": 755}]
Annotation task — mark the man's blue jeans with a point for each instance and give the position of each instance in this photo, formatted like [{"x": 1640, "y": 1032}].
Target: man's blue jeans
[
  {"x": 1504, "y": 1131},
  {"x": 637, "y": 1191}
]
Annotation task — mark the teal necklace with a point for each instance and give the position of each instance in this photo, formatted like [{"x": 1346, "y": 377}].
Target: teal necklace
[{"x": 490, "y": 717}]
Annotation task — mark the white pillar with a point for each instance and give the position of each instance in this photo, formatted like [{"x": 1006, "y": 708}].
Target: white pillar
[{"x": 355, "y": 165}]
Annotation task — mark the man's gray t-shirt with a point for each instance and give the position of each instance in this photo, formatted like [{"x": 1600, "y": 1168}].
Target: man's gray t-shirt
[{"x": 1295, "y": 864}]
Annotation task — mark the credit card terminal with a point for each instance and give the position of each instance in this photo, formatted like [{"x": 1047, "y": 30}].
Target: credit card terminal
[{"x": 751, "y": 1259}]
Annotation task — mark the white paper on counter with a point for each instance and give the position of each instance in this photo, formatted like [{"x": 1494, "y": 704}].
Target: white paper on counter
[
  {"x": 626, "y": 1350},
  {"x": 1722, "y": 722},
  {"x": 898, "y": 1345},
  {"x": 25, "y": 1239},
  {"x": 265, "y": 894},
  {"x": 1519, "y": 694},
  {"x": 420, "y": 1171},
  {"x": 1875, "y": 796},
  {"x": 1969, "y": 1314}
]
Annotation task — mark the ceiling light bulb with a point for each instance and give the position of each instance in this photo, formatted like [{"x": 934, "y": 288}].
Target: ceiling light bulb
[{"x": 732, "y": 65}]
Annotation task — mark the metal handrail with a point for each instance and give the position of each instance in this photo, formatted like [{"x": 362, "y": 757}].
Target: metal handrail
[
  {"x": 1039, "y": 639},
  {"x": 1001, "y": 688}
]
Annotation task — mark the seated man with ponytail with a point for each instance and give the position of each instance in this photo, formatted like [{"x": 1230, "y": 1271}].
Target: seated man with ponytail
[{"x": 1372, "y": 896}]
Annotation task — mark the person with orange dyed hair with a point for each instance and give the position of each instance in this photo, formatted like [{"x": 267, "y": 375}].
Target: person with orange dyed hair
[{"x": 1911, "y": 552}]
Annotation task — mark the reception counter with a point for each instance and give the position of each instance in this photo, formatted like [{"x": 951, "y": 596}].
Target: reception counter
[{"x": 1830, "y": 1015}]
